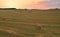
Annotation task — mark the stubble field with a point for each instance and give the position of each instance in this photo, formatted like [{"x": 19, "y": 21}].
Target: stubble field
[{"x": 29, "y": 23}]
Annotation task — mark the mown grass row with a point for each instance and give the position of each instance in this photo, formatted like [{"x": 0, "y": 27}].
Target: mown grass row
[{"x": 28, "y": 24}]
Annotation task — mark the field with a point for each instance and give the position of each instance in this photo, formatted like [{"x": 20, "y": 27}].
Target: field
[{"x": 29, "y": 23}]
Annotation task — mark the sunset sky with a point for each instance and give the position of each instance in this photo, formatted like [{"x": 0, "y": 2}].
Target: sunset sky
[{"x": 35, "y": 4}]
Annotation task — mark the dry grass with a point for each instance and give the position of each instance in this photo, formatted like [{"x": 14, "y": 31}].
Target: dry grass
[{"x": 33, "y": 23}]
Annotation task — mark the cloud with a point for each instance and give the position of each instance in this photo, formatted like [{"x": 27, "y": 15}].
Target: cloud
[
  {"x": 54, "y": 3},
  {"x": 39, "y": 5}
]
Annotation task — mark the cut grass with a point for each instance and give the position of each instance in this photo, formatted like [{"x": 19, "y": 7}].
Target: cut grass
[{"x": 24, "y": 24}]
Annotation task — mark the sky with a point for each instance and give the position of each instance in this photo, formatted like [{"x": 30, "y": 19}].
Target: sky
[{"x": 30, "y": 4}]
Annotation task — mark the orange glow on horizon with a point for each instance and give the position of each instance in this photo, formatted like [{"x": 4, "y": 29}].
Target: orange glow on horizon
[{"x": 20, "y": 3}]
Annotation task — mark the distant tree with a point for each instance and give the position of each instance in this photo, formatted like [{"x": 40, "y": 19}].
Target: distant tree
[
  {"x": 7, "y": 8},
  {"x": 56, "y": 9}
]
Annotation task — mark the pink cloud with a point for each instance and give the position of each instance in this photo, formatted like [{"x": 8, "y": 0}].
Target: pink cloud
[{"x": 39, "y": 5}]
